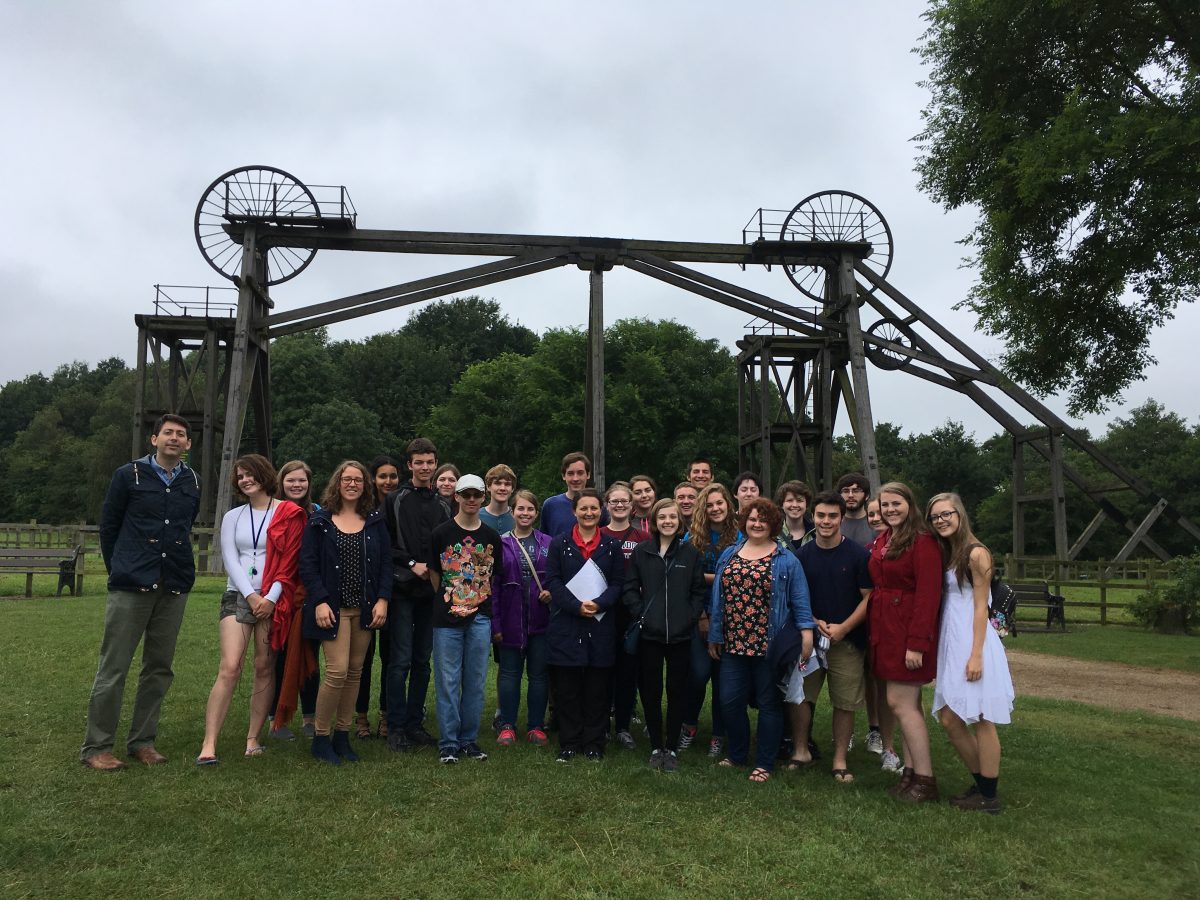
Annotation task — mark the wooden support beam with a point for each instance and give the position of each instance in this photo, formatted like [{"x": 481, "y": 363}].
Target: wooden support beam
[
  {"x": 1140, "y": 532},
  {"x": 846, "y": 290},
  {"x": 594, "y": 416},
  {"x": 1086, "y": 534}
]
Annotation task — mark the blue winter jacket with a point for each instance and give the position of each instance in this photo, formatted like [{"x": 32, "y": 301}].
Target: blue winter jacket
[
  {"x": 146, "y": 529},
  {"x": 789, "y": 595},
  {"x": 322, "y": 578},
  {"x": 573, "y": 639}
]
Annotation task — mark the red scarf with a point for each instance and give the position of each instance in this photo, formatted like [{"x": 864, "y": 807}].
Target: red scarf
[
  {"x": 283, "y": 554},
  {"x": 586, "y": 548}
]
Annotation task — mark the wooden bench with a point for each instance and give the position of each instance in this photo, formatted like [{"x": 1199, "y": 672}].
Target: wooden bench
[
  {"x": 1037, "y": 593},
  {"x": 65, "y": 562}
]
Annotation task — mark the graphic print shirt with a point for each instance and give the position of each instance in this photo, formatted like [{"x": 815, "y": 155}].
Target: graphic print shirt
[{"x": 469, "y": 564}]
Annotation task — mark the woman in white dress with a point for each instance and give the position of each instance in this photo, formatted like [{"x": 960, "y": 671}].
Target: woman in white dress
[{"x": 974, "y": 687}]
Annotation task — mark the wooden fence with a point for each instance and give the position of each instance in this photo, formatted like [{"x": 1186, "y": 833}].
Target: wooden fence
[
  {"x": 31, "y": 534},
  {"x": 1099, "y": 577}
]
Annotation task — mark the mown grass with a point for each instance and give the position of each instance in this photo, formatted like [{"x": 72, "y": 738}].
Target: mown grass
[
  {"x": 1097, "y": 803},
  {"x": 1135, "y": 646}
]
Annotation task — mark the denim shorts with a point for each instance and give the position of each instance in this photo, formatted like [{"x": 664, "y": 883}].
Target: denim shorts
[{"x": 234, "y": 604}]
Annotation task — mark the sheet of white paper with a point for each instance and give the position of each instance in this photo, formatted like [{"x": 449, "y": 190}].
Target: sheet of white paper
[{"x": 588, "y": 583}]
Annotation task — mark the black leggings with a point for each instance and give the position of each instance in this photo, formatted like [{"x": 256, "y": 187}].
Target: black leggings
[
  {"x": 651, "y": 655},
  {"x": 308, "y": 690}
]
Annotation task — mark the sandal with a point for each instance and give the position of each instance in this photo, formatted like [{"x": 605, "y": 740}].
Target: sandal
[
  {"x": 382, "y": 729},
  {"x": 207, "y": 761},
  {"x": 362, "y": 728},
  {"x": 258, "y": 750},
  {"x": 795, "y": 765},
  {"x": 728, "y": 763},
  {"x": 843, "y": 776},
  {"x": 760, "y": 775}
]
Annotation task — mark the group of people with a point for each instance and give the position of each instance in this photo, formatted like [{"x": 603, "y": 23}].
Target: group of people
[{"x": 590, "y": 600}]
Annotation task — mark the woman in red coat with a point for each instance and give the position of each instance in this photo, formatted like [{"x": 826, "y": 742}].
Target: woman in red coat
[{"x": 906, "y": 567}]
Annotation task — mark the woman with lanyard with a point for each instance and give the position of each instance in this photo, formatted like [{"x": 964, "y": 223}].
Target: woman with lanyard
[
  {"x": 579, "y": 638},
  {"x": 759, "y": 588},
  {"x": 620, "y": 503},
  {"x": 346, "y": 566},
  {"x": 665, "y": 592},
  {"x": 520, "y": 614},
  {"x": 245, "y": 611},
  {"x": 714, "y": 528}
]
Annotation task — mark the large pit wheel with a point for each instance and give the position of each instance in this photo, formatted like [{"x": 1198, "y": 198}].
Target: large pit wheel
[
  {"x": 253, "y": 194},
  {"x": 890, "y": 329},
  {"x": 836, "y": 216}
]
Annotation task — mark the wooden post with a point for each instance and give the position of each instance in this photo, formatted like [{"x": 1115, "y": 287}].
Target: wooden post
[
  {"x": 1103, "y": 593},
  {"x": 1059, "y": 497},
  {"x": 847, "y": 295},
  {"x": 594, "y": 426},
  {"x": 1018, "y": 508}
]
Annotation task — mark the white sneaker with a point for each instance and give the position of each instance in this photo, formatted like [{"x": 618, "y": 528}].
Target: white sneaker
[
  {"x": 874, "y": 742},
  {"x": 890, "y": 762}
]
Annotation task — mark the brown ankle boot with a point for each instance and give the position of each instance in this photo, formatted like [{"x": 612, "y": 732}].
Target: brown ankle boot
[
  {"x": 922, "y": 789},
  {"x": 900, "y": 787}
]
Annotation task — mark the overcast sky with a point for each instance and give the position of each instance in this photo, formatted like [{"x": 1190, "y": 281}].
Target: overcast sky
[{"x": 658, "y": 120}]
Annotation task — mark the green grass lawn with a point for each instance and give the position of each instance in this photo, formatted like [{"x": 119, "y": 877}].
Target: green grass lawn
[
  {"x": 1136, "y": 646},
  {"x": 1098, "y": 803}
]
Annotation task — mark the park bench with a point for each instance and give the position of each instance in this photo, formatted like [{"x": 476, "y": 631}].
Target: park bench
[
  {"x": 65, "y": 562},
  {"x": 1037, "y": 593}
]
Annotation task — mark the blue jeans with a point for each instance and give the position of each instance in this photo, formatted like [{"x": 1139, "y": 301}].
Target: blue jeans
[
  {"x": 703, "y": 667},
  {"x": 741, "y": 678},
  {"x": 512, "y": 661},
  {"x": 460, "y": 657},
  {"x": 410, "y": 636}
]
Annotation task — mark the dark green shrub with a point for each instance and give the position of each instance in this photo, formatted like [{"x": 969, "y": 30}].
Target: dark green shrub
[{"x": 1173, "y": 608}]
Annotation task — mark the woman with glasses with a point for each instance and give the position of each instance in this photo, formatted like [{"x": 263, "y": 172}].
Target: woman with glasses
[
  {"x": 759, "y": 588},
  {"x": 906, "y": 569},
  {"x": 974, "y": 687},
  {"x": 346, "y": 566}
]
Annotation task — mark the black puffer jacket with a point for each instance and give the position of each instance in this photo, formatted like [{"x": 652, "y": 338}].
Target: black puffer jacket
[
  {"x": 146, "y": 529},
  {"x": 669, "y": 590}
]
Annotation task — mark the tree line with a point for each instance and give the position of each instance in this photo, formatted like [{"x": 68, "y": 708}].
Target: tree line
[{"x": 489, "y": 390}]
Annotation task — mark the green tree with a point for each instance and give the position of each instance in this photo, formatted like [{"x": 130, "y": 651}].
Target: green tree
[
  {"x": 330, "y": 432},
  {"x": 1074, "y": 127},
  {"x": 668, "y": 396}
]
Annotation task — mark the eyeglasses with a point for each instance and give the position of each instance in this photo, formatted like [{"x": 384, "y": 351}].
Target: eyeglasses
[
  {"x": 349, "y": 479},
  {"x": 615, "y": 502},
  {"x": 852, "y": 490},
  {"x": 943, "y": 516}
]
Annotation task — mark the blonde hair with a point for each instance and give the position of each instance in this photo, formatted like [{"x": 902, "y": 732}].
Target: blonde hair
[
  {"x": 727, "y": 531},
  {"x": 956, "y": 549}
]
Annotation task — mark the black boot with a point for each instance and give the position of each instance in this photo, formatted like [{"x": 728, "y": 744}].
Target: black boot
[
  {"x": 322, "y": 749},
  {"x": 341, "y": 746}
]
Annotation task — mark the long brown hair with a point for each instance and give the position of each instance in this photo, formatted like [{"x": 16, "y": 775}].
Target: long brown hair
[
  {"x": 332, "y": 498},
  {"x": 902, "y": 538},
  {"x": 956, "y": 549},
  {"x": 700, "y": 532}
]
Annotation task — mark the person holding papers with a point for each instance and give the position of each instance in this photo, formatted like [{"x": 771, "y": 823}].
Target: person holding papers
[{"x": 585, "y": 572}]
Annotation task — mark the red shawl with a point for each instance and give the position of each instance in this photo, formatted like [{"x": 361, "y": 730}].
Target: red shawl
[{"x": 282, "y": 560}]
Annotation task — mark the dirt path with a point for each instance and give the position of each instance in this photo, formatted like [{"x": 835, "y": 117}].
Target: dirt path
[{"x": 1164, "y": 692}]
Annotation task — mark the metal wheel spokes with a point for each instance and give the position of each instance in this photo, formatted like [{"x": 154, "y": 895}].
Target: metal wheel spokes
[
  {"x": 836, "y": 216},
  {"x": 253, "y": 194},
  {"x": 889, "y": 329}
]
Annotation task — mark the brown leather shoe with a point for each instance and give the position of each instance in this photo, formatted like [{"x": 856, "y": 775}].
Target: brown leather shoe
[
  {"x": 923, "y": 789},
  {"x": 148, "y": 756},
  {"x": 902, "y": 785},
  {"x": 103, "y": 762}
]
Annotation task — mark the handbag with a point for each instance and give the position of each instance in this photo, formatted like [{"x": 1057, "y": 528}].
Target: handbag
[{"x": 1002, "y": 606}]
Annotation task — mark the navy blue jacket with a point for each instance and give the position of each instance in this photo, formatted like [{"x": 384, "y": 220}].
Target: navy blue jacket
[
  {"x": 146, "y": 529},
  {"x": 573, "y": 639},
  {"x": 322, "y": 578}
]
